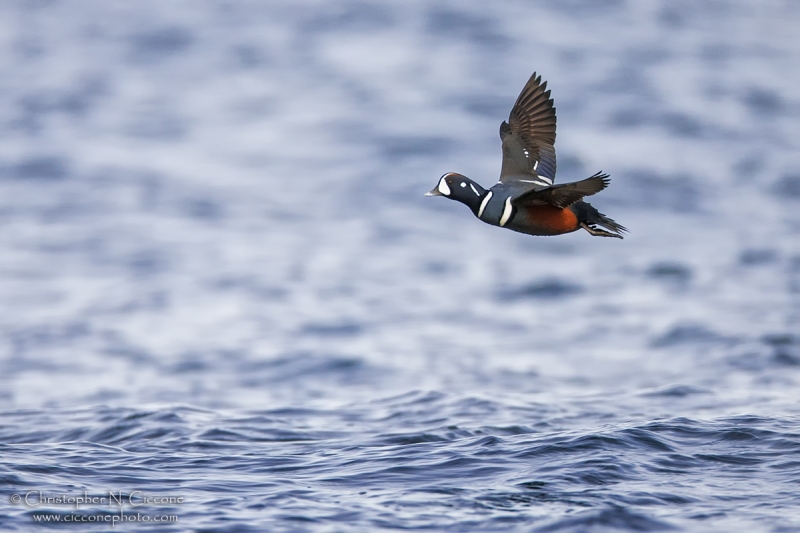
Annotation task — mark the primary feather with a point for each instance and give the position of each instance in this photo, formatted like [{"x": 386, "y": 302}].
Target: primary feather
[
  {"x": 530, "y": 134},
  {"x": 565, "y": 194}
]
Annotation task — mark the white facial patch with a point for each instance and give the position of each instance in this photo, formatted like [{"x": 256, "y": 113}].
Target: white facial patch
[
  {"x": 474, "y": 190},
  {"x": 483, "y": 204},
  {"x": 443, "y": 187},
  {"x": 507, "y": 210},
  {"x": 463, "y": 184}
]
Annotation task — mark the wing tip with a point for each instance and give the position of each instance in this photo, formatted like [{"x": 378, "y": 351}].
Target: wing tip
[
  {"x": 603, "y": 177},
  {"x": 505, "y": 129}
]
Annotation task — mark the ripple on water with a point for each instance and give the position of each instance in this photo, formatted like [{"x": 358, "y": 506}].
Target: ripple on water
[{"x": 371, "y": 474}]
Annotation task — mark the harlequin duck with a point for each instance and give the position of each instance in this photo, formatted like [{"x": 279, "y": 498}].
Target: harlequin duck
[{"x": 525, "y": 199}]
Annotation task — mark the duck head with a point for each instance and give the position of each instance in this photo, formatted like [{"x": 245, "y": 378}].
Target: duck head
[{"x": 460, "y": 188}]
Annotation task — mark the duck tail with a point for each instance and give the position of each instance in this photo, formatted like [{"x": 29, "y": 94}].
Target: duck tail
[{"x": 588, "y": 217}]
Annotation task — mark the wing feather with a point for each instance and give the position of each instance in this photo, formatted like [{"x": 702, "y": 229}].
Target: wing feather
[
  {"x": 529, "y": 135},
  {"x": 565, "y": 194}
]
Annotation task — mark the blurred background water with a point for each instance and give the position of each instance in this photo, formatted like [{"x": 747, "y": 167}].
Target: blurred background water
[{"x": 219, "y": 277}]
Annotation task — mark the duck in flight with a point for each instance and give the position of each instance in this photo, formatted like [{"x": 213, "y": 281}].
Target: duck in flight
[{"x": 526, "y": 199}]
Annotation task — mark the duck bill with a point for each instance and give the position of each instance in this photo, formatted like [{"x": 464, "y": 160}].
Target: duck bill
[{"x": 434, "y": 192}]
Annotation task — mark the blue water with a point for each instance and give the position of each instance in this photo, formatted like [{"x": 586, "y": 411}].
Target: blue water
[{"x": 220, "y": 282}]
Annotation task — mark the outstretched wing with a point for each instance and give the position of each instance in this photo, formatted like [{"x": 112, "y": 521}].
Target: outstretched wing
[
  {"x": 529, "y": 135},
  {"x": 563, "y": 195}
]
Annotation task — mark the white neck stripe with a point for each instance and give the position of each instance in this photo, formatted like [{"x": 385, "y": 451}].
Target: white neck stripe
[
  {"x": 483, "y": 203},
  {"x": 507, "y": 210}
]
